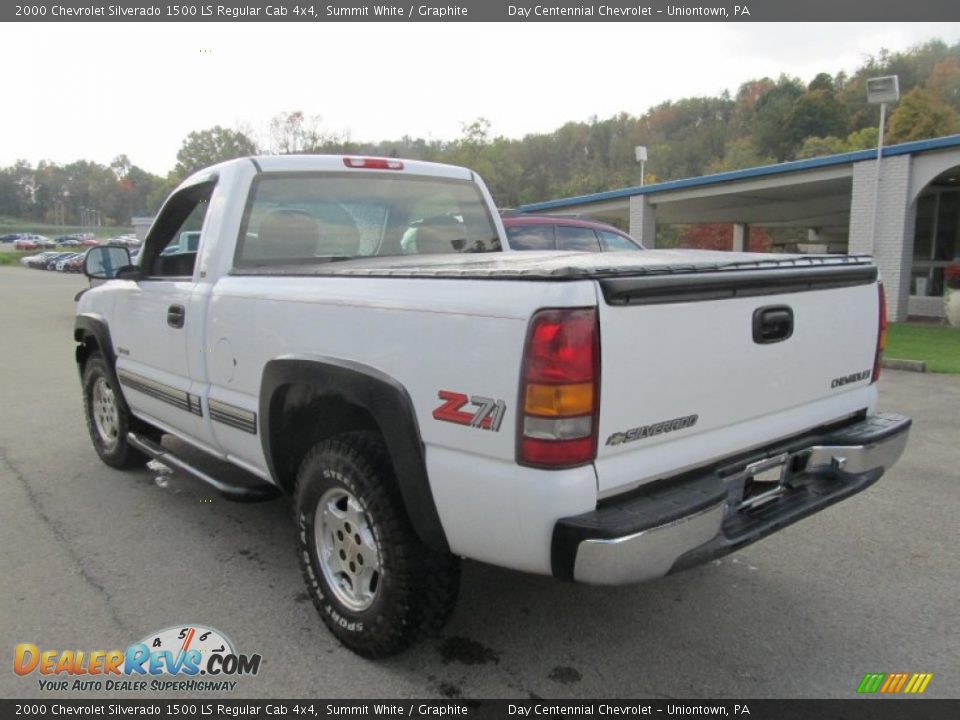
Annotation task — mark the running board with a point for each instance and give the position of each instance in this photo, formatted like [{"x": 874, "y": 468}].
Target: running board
[{"x": 239, "y": 493}]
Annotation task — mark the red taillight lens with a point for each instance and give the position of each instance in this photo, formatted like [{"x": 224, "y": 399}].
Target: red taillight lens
[
  {"x": 881, "y": 332},
  {"x": 373, "y": 163},
  {"x": 559, "y": 389}
]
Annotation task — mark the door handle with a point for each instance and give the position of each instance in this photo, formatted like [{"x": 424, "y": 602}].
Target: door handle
[{"x": 175, "y": 316}]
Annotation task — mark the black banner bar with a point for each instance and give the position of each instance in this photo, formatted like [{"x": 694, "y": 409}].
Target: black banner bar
[
  {"x": 481, "y": 11},
  {"x": 857, "y": 709}
]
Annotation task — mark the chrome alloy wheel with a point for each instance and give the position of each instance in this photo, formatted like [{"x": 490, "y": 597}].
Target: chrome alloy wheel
[
  {"x": 347, "y": 549},
  {"x": 104, "y": 411}
]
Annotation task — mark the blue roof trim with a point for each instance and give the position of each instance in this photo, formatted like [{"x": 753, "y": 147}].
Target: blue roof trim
[{"x": 909, "y": 148}]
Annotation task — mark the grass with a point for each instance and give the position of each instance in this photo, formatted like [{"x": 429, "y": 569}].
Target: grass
[
  {"x": 937, "y": 345},
  {"x": 11, "y": 257}
]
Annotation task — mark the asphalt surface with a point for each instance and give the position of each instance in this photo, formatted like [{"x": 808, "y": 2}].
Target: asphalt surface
[{"x": 94, "y": 558}]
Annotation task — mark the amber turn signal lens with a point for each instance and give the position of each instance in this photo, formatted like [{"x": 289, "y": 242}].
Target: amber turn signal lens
[{"x": 559, "y": 400}]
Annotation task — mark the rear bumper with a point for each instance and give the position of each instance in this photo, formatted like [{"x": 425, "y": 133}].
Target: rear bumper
[{"x": 681, "y": 522}]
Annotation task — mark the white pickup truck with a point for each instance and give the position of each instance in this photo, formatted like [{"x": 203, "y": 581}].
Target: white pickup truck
[{"x": 354, "y": 332}]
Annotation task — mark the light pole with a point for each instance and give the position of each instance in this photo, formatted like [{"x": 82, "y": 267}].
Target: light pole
[
  {"x": 880, "y": 91},
  {"x": 641, "y": 154}
]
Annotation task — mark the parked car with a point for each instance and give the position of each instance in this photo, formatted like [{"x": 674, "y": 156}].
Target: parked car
[
  {"x": 10, "y": 237},
  {"x": 42, "y": 241},
  {"x": 51, "y": 263},
  {"x": 38, "y": 262},
  {"x": 68, "y": 241},
  {"x": 75, "y": 264},
  {"x": 24, "y": 244},
  {"x": 89, "y": 242},
  {"x": 555, "y": 232},
  {"x": 61, "y": 264}
]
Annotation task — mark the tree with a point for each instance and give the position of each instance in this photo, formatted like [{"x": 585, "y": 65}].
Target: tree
[
  {"x": 944, "y": 82},
  {"x": 817, "y": 113},
  {"x": 919, "y": 116},
  {"x": 741, "y": 153},
  {"x": 208, "y": 147},
  {"x": 771, "y": 126}
]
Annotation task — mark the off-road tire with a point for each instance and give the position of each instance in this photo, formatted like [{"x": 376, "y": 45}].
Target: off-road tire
[
  {"x": 416, "y": 588},
  {"x": 112, "y": 448}
]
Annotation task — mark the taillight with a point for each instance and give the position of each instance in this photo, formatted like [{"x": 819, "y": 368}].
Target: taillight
[
  {"x": 560, "y": 389},
  {"x": 373, "y": 163},
  {"x": 881, "y": 332}
]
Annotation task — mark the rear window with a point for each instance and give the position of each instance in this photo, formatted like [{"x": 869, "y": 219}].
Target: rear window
[
  {"x": 613, "y": 241},
  {"x": 570, "y": 237},
  {"x": 339, "y": 216},
  {"x": 531, "y": 237}
]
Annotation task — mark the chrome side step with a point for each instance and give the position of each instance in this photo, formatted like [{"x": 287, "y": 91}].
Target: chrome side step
[{"x": 240, "y": 493}]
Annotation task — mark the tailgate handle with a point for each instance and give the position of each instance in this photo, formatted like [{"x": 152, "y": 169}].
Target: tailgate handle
[{"x": 772, "y": 324}]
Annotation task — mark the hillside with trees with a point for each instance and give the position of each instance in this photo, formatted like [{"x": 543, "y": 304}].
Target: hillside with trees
[{"x": 766, "y": 121}]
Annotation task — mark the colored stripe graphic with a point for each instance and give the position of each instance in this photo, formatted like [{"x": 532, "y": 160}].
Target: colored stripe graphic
[
  {"x": 871, "y": 682},
  {"x": 894, "y": 683},
  {"x": 918, "y": 683}
]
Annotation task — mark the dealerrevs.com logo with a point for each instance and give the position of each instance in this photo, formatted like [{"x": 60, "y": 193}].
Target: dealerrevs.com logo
[{"x": 183, "y": 658}]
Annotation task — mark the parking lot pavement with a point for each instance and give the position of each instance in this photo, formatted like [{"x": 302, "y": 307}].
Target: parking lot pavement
[{"x": 96, "y": 559}]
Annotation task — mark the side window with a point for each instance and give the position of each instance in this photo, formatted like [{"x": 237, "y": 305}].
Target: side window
[
  {"x": 576, "y": 238},
  {"x": 171, "y": 248},
  {"x": 531, "y": 237},
  {"x": 613, "y": 241}
]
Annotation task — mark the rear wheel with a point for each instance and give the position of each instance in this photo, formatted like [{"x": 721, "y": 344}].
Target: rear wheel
[
  {"x": 107, "y": 415},
  {"x": 377, "y": 587}
]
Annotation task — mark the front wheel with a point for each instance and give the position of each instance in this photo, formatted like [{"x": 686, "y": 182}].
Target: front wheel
[
  {"x": 376, "y": 585},
  {"x": 107, "y": 415}
]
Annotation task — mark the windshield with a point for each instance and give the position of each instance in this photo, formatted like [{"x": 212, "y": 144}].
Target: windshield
[{"x": 314, "y": 218}]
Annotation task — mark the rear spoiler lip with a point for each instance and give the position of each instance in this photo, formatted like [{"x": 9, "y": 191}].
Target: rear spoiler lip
[{"x": 725, "y": 284}]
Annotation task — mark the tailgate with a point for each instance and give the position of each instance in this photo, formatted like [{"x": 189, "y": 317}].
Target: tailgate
[{"x": 698, "y": 367}]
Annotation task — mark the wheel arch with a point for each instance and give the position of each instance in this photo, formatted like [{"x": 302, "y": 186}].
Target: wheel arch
[
  {"x": 92, "y": 335},
  {"x": 353, "y": 396}
]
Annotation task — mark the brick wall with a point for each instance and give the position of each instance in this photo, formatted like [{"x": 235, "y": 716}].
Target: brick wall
[
  {"x": 891, "y": 240},
  {"x": 643, "y": 221}
]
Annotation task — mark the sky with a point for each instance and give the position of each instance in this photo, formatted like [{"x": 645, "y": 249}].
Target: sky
[{"x": 93, "y": 91}]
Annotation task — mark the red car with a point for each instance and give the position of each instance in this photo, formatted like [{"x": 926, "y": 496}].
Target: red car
[
  {"x": 24, "y": 244},
  {"x": 555, "y": 232}
]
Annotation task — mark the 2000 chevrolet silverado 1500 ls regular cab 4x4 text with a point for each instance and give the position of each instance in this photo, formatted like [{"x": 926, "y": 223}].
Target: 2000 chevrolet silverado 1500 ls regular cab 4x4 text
[{"x": 355, "y": 333}]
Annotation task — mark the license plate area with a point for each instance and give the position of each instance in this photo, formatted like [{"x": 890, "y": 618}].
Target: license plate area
[{"x": 764, "y": 481}]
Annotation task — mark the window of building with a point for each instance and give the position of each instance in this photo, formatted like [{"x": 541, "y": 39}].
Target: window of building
[{"x": 936, "y": 240}]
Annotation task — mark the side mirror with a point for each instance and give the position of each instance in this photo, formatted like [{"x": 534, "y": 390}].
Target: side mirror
[{"x": 103, "y": 262}]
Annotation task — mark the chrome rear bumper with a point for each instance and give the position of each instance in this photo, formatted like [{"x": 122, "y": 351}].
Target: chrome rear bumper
[{"x": 679, "y": 523}]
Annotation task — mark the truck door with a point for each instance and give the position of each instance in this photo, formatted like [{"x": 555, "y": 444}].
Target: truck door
[{"x": 151, "y": 320}]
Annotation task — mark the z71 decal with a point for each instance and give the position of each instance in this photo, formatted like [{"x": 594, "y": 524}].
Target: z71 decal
[{"x": 486, "y": 415}]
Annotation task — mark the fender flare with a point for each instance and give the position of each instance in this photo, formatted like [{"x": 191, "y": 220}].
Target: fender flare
[
  {"x": 96, "y": 326},
  {"x": 387, "y": 401}
]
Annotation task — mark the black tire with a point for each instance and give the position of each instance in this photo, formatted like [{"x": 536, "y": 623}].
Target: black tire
[
  {"x": 375, "y": 613},
  {"x": 109, "y": 438}
]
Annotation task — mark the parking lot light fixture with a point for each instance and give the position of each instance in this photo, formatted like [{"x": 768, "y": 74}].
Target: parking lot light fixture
[
  {"x": 880, "y": 91},
  {"x": 641, "y": 154}
]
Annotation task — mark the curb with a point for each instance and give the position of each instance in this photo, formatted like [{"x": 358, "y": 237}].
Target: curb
[{"x": 909, "y": 365}]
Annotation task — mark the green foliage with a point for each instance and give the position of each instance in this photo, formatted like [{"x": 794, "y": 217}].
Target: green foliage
[
  {"x": 208, "y": 147},
  {"x": 921, "y": 115}
]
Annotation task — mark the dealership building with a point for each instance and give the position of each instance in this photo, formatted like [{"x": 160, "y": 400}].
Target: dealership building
[{"x": 904, "y": 209}]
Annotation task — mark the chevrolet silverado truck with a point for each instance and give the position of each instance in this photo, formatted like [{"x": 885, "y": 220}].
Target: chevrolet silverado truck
[{"x": 354, "y": 332}]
